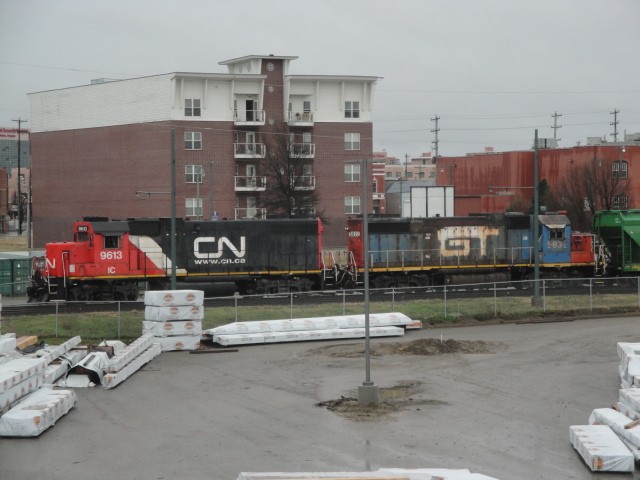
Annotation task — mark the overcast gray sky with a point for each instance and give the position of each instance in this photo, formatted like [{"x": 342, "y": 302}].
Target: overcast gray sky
[{"x": 492, "y": 70}]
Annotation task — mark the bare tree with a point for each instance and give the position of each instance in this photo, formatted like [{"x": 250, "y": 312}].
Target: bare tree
[
  {"x": 288, "y": 167},
  {"x": 587, "y": 188}
]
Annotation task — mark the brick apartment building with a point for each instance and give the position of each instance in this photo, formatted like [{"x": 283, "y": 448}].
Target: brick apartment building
[{"x": 105, "y": 149}]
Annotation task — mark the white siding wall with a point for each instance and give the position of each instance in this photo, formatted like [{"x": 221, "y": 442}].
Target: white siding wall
[
  {"x": 122, "y": 102},
  {"x": 214, "y": 95},
  {"x": 218, "y": 105},
  {"x": 161, "y": 97},
  {"x": 328, "y": 97}
]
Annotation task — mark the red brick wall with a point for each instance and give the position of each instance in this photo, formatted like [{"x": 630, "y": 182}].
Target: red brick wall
[{"x": 97, "y": 171}]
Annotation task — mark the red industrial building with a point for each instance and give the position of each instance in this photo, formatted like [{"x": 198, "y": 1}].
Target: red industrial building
[{"x": 495, "y": 182}]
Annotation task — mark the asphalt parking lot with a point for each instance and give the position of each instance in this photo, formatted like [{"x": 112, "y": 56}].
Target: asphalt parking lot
[{"x": 505, "y": 414}]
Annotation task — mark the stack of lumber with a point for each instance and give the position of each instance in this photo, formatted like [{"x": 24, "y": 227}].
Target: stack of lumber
[
  {"x": 8, "y": 347},
  {"x": 18, "y": 378},
  {"x": 60, "y": 358},
  {"x": 302, "y": 329},
  {"x": 129, "y": 360},
  {"x": 380, "y": 474},
  {"x": 28, "y": 403},
  {"x": 174, "y": 318},
  {"x": 611, "y": 440},
  {"x": 600, "y": 448},
  {"x": 37, "y": 412}
]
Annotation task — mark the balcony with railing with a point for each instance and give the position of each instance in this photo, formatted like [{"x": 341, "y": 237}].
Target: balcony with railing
[
  {"x": 304, "y": 212},
  {"x": 305, "y": 182},
  {"x": 248, "y": 117},
  {"x": 300, "y": 119},
  {"x": 302, "y": 150},
  {"x": 249, "y": 150},
  {"x": 250, "y": 184},
  {"x": 250, "y": 213}
]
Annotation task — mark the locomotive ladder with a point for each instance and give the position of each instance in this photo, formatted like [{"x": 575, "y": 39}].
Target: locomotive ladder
[{"x": 338, "y": 268}]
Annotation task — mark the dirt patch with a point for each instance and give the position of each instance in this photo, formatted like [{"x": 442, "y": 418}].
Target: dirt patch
[
  {"x": 425, "y": 346},
  {"x": 392, "y": 399},
  {"x": 405, "y": 395}
]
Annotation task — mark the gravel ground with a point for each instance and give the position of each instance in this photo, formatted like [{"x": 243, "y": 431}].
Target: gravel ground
[{"x": 496, "y": 399}]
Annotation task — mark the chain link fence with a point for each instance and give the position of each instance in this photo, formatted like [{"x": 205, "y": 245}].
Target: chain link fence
[{"x": 432, "y": 305}]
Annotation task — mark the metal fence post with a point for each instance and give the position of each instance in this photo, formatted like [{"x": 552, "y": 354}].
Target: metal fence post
[
  {"x": 235, "y": 301},
  {"x": 393, "y": 299},
  {"x": 591, "y": 295},
  {"x": 344, "y": 302},
  {"x": 119, "y": 320},
  {"x": 291, "y": 306},
  {"x": 495, "y": 300},
  {"x": 57, "y": 303},
  {"x": 445, "y": 300},
  {"x": 638, "y": 292},
  {"x": 544, "y": 295}
]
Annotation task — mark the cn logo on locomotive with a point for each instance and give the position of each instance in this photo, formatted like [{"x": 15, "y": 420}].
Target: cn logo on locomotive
[{"x": 221, "y": 242}]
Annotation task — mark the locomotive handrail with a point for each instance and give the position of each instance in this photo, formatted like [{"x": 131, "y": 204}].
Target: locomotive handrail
[{"x": 409, "y": 257}]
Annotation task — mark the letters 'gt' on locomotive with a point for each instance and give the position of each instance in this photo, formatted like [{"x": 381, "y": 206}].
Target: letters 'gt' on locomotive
[{"x": 117, "y": 259}]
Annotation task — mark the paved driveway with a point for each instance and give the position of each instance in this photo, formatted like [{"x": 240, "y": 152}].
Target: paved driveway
[{"x": 505, "y": 414}]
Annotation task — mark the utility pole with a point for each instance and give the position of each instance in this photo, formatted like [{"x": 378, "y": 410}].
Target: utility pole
[
  {"x": 436, "y": 141},
  {"x": 555, "y": 125},
  {"x": 20, "y": 122},
  {"x": 615, "y": 124},
  {"x": 406, "y": 164},
  {"x": 173, "y": 209},
  {"x": 536, "y": 301}
]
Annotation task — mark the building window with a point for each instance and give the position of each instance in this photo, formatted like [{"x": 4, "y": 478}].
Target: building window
[
  {"x": 352, "y": 141},
  {"x": 193, "y": 207},
  {"x": 620, "y": 169},
  {"x": 351, "y": 109},
  {"x": 351, "y": 205},
  {"x": 193, "y": 173},
  {"x": 306, "y": 106},
  {"x": 620, "y": 202},
  {"x": 193, "y": 140},
  {"x": 352, "y": 172},
  {"x": 192, "y": 107}
]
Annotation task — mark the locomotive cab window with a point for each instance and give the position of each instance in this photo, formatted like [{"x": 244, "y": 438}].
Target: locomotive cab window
[
  {"x": 111, "y": 241},
  {"x": 556, "y": 233}
]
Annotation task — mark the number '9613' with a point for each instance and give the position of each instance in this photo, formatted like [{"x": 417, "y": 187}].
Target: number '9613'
[{"x": 117, "y": 255}]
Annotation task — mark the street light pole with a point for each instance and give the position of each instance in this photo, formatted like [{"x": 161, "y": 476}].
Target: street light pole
[{"x": 368, "y": 391}]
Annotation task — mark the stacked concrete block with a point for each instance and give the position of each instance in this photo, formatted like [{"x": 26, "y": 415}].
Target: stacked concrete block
[{"x": 174, "y": 318}]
